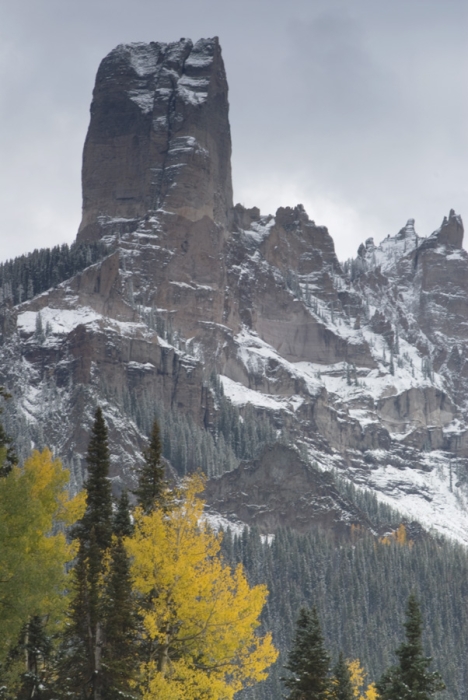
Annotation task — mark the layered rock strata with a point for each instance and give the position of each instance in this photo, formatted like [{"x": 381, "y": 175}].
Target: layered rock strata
[{"x": 363, "y": 363}]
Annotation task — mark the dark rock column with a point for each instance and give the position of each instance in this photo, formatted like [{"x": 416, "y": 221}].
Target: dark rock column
[{"x": 159, "y": 136}]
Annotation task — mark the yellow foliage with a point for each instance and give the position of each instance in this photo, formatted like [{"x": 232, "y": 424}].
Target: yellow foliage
[
  {"x": 371, "y": 692},
  {"x": 358, "y": 676},
  {"x": 400, "y": 536},
  {"x": 34, "y": 504},
  {"x": 200, "y": 614}
]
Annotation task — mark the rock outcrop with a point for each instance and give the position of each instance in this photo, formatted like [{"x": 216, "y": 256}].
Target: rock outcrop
[
  {"x": 211, "y": 313},
  {"x": 279, "y": 489},
  {"x": 159, "y": 136}
]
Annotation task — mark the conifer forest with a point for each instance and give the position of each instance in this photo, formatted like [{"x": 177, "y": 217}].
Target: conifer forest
[{"x": 136, "y": 598}]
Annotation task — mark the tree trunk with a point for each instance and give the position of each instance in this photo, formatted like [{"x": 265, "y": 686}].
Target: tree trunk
[
  {"x": 164, "y": 656},
  {"x": 97, "y": 662}
]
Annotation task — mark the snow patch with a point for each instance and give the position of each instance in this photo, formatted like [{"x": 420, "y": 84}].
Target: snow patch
[
  {"x": 190, "y": 96},
  {"x": 144, "y": 99},
  {"x": 218, "y": 522},
  {"x": 240, "y": 395},
  {"x": 62, "y": 321}
]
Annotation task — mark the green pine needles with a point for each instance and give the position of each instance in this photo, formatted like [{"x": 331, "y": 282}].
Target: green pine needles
[
  {"x": 98, "y": 514},
  {"x": 309, "y": 665},
  {"x": 342, "y": 686},
  {"x": 98, "y": 659},
  {"x": 411, "y": 678},
  {"x": 152, "y": 488},
  {"x": 308, "y": 661}
]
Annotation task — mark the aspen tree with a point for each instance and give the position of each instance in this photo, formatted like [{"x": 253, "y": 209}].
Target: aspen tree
[
  {"x": 34, "y": 508},
  {"x": 203, "y": 616}
]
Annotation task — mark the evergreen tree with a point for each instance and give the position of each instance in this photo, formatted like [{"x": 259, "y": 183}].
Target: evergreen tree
[
  {"x": 308, "y": 660},
  {"x": 152, "y": 487},
  {"x": 75, "y": 666},
  {"x": 31, "y": 274},
  {"x": 411, "y": 679},
  {"x": 120, "y": 657},
  {"x": 98, "y": 514},
  {"x": 8, "y": 456},
  {"x": 82, "y": 674},
  {"x": 38, "y": 651},
  {"x": 342, "y": 686},
  {"x": 122, "y": 524}
]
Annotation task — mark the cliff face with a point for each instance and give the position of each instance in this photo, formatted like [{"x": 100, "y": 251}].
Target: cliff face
[
  {"x": 159, "y": 136},
  {"x": 214, "y": 313},
  {"x": 279, "y": 489}
]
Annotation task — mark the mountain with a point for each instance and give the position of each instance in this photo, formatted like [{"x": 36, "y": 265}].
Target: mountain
[{"x": 267, "y": 361}]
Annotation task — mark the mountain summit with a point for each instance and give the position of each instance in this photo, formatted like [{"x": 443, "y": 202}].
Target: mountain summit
[
  {"x": 234, "y": 328},
  {"x": 159, "y": 136}
]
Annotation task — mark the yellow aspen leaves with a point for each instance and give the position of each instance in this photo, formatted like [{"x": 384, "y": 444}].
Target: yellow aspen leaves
[
  {"x": 199, "y": 615},
  {"x": 399, "y": 536},
  {"x": 34, "y": 503},
  {"x": 358, "y": 676}
]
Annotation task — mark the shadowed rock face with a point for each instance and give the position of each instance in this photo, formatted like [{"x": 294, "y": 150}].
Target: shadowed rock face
[
  {"x": 159, "y": 135},
  {"x": 281, "y": 490}
]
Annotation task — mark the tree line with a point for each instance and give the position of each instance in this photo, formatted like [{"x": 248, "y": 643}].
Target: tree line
[{"x": 34, "y": 273}]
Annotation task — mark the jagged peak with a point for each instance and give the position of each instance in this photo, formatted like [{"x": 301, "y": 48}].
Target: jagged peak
[
  {"x": 393, "y": 248},
  {"x": 450, "y": 231},
  {"x": 408, "y": 231},
  {"x": 292, "y": 216},
  {"x": 388, "y": 252}
]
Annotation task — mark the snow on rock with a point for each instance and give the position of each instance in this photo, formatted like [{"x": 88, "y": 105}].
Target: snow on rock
[
  {"x": 430, "y": 496},
  {"x": 143, "y": 98},
  {"x": 256, "y": 355},
  {"x": 61, "y": 321},
  {"x": 191, "y": 96},
  {"x": 143, "y": 58},
  {"x": 259, "y": 230},
  {"x": 240, "y": 395},
  {"x": 218, "y": 522}
]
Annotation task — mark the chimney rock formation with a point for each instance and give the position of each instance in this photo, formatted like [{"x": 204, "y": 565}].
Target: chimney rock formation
[{"x": 159, "y": 136}]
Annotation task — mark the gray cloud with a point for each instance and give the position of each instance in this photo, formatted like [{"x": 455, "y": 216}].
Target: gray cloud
[{"x": 357, "y": 109}]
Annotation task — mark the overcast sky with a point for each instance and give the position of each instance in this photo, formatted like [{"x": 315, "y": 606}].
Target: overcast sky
[{"x": 355, "y": 108}]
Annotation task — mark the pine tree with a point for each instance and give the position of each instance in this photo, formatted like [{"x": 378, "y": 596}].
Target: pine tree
[
  {"x": 33, "y": 653},
  {"x": 122, "y": 524},
  {"x": 76, "y": 667},
  {"x": 39, "y": 328},
  {"x": 308, "y": 660},
  {"x": 342, "y": 686},
  {"x": 411, "y": 679},
  {"x": 152, "y": 487},
  {"x": 8, "y": 456},
  {"x": 98, "y": 514},
  {"x": 120, "y": 657},
  {"x": 81, "y": 670}
]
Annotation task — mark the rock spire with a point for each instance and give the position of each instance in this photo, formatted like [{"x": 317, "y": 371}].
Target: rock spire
[{"x": 159, "y": 136}]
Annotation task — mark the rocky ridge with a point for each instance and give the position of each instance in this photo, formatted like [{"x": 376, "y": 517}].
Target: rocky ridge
[{"x": 361, "y": 365}]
